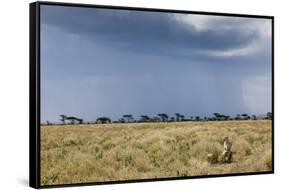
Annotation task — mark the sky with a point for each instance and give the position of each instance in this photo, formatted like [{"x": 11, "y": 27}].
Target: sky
[{"x": 105, "y": 62}]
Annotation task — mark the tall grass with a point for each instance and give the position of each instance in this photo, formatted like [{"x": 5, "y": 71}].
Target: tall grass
[{"x": 110, "y": 152}]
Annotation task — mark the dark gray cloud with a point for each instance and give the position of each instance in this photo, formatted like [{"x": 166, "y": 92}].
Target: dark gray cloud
[{"x": 162, "y": 32}]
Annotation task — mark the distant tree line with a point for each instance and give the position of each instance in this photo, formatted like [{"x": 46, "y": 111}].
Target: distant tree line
[{"x": 161, "y": 117}]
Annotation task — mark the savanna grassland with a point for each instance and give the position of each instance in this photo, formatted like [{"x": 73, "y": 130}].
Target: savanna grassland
[{"x": 110, "y": 152}]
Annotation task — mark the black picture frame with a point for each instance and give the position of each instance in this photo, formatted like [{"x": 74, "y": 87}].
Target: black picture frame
[{"x": 34, "y": 91}]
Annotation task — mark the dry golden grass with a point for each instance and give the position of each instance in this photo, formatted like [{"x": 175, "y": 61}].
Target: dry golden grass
[{"x": 110, "y": 152}]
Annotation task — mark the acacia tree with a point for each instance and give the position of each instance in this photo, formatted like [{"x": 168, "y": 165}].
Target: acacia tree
[
  {"x": 144, "y": 118},
  {"x": 103, "y": 120},
  {"x": 128, "y": 118},
  {"x": 217, "y": 116},
  {"x": 177, "y": 116},
  {"x": 80, "y": 121},
  {"x": 63, "y": 117},
  {"x": 164, "y": 117},
  {"x": 269, "y": 115},
  {"x": 245, "y": 116},
  {"x": 182, "y": 117}
]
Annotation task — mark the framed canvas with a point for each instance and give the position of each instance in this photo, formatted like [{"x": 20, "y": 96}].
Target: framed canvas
[{"x": 123, "y": 94}]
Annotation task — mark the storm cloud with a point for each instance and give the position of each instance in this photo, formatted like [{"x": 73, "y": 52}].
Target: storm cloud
[{"x": 109, "y": 62}]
